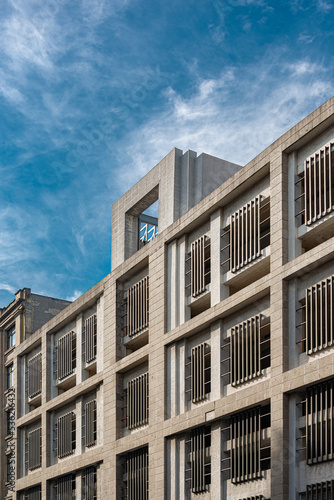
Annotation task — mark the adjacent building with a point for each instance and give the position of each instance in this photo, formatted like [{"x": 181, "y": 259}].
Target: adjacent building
[{"x": 202, "y": 366}]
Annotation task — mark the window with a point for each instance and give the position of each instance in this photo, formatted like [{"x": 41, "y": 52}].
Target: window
[
  {"x": 319, "y": 423},
  {"x": 137, "y": 475},
  {"x": 319, "y": 184},
  {"x": 200, "y": 376},
  {"x": 319, "y": 316},
  {"x": 34, "y": 376},
  {"x": 199, "y": 459},
  {"x": 257, "y": 497},
  {"x": 90, "y": 484},
  {"x": 248, "y": 234},
  {"x": 90, "y": 432},
  {"x": 250, "y": 349},
  {"x": 10, "y": 337},
  {"x": 319, "y": 491},
  {"x": 137, "y": 402},
  {"x": 65, "y": 487},
  {"x": 34, "y": 449},
  {"x": 66, "y": 355},
  {"x": 10, "y": 376},
  {"x": 33, "y": 493},
  {"x": 137, "y": 307},
  {"x": 250, "y": 450},
  {"x": 198, "y": 266},
  {"x": 66, "y": 435},
  {"x": 90, "y": 339}
]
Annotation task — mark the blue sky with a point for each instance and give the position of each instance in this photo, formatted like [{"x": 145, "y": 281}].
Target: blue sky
[{"x": 93, "y": 93}]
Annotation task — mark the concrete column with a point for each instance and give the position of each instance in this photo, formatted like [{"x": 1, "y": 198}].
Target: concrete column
[
  {"x": 100, "y": 335},
  {"x": 183, "y": 310},
  {"x": 280, "y": 446},
  {"x": 216, "y": 329},
  {"x": 79, "y": 411},
  {"x": 80, "y": 376},
  {"x": 172, "y": 289},
  {"x": 216, "y": 482},
  {"x": 295, "y": 246},
  {"x": 216, "y": 272}
]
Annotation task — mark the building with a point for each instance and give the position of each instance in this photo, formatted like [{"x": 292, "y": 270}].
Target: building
[
  {"x": 18, "y": 322},
  {"x": 202, "y": 366}
]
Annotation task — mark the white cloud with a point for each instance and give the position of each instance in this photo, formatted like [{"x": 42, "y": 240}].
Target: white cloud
[
  {"x": 8, "y": 288},
  {"x": 76, "y": 294},
  {"x": 230, "y": 117}
]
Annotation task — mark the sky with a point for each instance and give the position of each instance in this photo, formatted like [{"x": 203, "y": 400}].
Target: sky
[{"x": 94, "y": 93}]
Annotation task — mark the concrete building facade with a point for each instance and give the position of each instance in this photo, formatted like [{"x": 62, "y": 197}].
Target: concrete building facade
[{"x": 202, "y": 366}]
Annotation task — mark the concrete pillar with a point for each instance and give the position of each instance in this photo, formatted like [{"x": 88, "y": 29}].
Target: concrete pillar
[
  {"x": 216, "y": 272},
  {"x": 216, "y": 329},
  {"x": 216, "y": 482}
]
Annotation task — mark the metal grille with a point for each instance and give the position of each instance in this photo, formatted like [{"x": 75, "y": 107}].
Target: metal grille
[
  {"x": 257, "y": 497},
  {"x": 320, "y": 491},
  {"x": 66, "y": 487},
  {"x": 137, "y": 310},
  {"x": 319, "y": 316},
  {"x": 90, "y": 423},
  {"x": 35, "y": 375},
  {"x": 198, "y": 275},
  {"x": 319, "y": 185},
  {"x": 137, "y": 402},
  {"x": 319, "y": 422},
  {"x": 246, "y": 351},
  {"x": 200, "y": 459},
  {"x": 35, "y": 449},
  {"x": 245, "y": 234},
  {"x": 246, "y": 446},
  {"x": 137, "y": 475},
  {"x": 90, "y": 484},
  {"x": 66, "y": 355},
  {"x": 66, "y": 435},
  {"x": 33, "y": 494},
  {"x": 90, "y": 339},
  {"x": 200, "y": 372}
]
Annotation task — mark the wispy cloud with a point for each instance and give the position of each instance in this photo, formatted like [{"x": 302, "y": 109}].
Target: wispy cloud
[
  {"x": 76, "y": 294},
  {"x": 213, "y": 121},
  {"x": 7, "y": 288}
]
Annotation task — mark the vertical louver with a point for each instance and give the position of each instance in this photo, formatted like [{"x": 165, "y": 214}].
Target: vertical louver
[
  {"x": 200, "y": 265},
  {"x": 319, "y": 184},
  {"x": 66, "y": 487},
  {"x": 35, "y": 375},
  {"x": 33, "y": 493},
  {"x": 66, "y": 435},
  {"x": 246, "y": 351},
  {"x": 90, "y": 484},
  {"x": 200, "y": 372},
  {"x": 319, "y": 316},
  {"x": 90, "y": 339},
  {"x": 257, "y": 497},
  {"x": 34, "y": 449},
  {"x": 245, "y": 235},
  {"x": 137, "y": 475},
  {"x": 66, "y": 355},
  {"x": 319, "y": 423},
  {"x": 137, "y": 309},
  {"x": 137, "y": 402},
  {"x": 245, "y": 446},
  {"x": 320, "y": 491},
  {"x": 200, "y": 459},
  {"x": 90, "y": 423}
]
